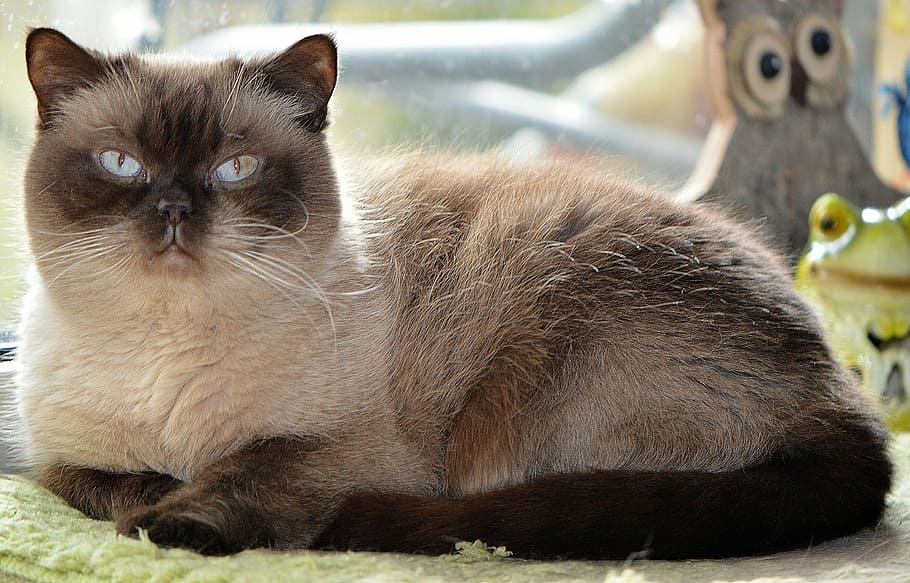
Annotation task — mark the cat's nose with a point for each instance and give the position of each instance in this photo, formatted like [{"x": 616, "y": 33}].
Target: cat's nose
[{"x": 174, "y": 211}]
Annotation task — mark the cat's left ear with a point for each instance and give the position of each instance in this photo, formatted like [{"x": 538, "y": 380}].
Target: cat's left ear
[
  {"x": 306, "y": 71},
  {"x": 57, "y": 67}
]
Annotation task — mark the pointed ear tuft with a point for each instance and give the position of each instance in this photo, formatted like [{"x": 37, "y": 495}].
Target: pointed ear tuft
[
  {"x": 306, "y": 71},
  {"x": 56, "y": 68}
]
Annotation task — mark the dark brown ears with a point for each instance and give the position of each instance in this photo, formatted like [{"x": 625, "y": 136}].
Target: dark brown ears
[
  {"x": 306, "y": 71},
  {"x": 56, "y": 68}
]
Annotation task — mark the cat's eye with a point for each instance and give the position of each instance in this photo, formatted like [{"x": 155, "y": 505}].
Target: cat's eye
[
  {"x": 237, "y": 168},
  {"x": 119, "y": 163},
  {"x": 818, "y": 44}
]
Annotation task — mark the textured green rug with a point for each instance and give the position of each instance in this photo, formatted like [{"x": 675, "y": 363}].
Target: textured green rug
[{"x": 42, "y": 539}]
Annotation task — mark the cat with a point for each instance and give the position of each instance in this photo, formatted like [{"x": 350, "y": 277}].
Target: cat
[{"x": 230, "y": 344}]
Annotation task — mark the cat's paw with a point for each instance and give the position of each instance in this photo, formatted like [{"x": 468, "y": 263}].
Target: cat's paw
[
  {"x": 183, "y": 526},
  {"x": 103, "y": 495}
]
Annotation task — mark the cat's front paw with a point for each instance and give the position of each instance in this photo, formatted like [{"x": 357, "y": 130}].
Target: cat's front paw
[
  {"x": 187, "y": 526},
  {"x": 101, "y": 494}
]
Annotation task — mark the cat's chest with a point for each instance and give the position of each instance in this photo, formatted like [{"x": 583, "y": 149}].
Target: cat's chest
[{"x": 144, "y": 396}]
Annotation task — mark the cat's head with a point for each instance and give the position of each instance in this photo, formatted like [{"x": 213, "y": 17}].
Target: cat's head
[{"x": 150, "y": 172}]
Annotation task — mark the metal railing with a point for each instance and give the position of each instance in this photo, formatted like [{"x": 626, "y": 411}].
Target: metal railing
[{"x": 494, "y": 70}]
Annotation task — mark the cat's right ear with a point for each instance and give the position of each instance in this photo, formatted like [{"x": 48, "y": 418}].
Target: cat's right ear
[
  {"x": 307, "y": 72},
  {"x": 56, "y": 68}
]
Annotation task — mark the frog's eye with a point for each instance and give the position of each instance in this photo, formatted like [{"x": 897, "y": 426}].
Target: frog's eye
[
  {"x": 236, "y": 169},
  {"x": 832, "y": 224},
  {"x": 830, "y": 217},
  {"x": 901, "y": 212}
]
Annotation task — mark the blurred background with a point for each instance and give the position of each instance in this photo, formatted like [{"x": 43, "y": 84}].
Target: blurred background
[{"x": 613, "y": 80}]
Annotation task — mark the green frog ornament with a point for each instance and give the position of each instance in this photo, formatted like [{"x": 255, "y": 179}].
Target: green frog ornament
[{"x": 856, "y": 272}]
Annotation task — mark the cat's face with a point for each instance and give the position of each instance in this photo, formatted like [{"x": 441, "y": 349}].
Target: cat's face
[{"x": 150, "y": 173}]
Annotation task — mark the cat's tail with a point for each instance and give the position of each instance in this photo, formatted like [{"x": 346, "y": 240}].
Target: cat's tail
[{"x": 816, "y": 491}]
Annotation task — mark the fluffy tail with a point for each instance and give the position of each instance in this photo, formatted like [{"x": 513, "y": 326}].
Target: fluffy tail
[{"x": 831, "y": 489}]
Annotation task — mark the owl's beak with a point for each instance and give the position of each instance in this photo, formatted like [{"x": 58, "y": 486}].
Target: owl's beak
[{"x": 799, "y": 82}]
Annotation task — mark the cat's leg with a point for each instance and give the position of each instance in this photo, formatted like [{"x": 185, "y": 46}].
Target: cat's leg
[
  {"x": 105, "y": 495},
  {"x": 277, "y": 493}
]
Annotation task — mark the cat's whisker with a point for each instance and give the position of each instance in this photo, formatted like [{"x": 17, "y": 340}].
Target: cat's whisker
[
  {"x": 128, "y": 73},
  {"x": 285, "y": 290},
  {"x": 112, "y": 228},
  {"x": 257, "y": 241},
  {"x": 232, "y": 97},
  {"x": 71, "y": 233},
  {"x": 266, "y": 267},
  {"x": 64, "y": 255},
  {"x": 93, "y": 240},
  {"x": 292, "y": 271},
  {"x": 355, "y": 293},
  {"x": 80, "y": 260},
  {"x": 309, "y": 283},
  {"x": 282, "y": 233},
  {"x": 287, "y": 268},
  {"x": 306, "y": 211},
  {"x": 277, "y": 233},
  {"x": 45, "y": 189},
  {"x": 253, "y": 268},
  {"x": 283, "y": 287},
  {"x": 87, "y": 252},
  {"x": 71, "y": 258},
  {"x": 87, "y": 238},
  {"x": 112, "y": 268},
  {"x": 74, "y": 247}
]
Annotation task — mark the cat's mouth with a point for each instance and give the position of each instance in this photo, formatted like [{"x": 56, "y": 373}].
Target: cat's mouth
[{"x": 171, "y": 251}]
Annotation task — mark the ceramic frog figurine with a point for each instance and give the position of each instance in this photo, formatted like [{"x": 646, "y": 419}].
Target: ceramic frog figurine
[{"x": 856, "y": 272}]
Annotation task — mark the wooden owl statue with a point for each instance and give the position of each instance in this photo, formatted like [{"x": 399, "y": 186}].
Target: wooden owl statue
[{"x": 779, "y": 73}]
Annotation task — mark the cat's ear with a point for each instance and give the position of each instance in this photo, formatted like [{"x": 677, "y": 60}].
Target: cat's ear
[
  {"x": 56, "y": 68},
  {"x": 306, "y": 71}
]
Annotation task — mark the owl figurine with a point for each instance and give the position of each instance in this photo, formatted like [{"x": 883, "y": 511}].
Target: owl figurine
[{"x": 778, "y": 74}]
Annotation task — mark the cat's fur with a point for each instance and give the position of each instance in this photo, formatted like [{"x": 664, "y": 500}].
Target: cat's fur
[{"x": 445, "y": 348}]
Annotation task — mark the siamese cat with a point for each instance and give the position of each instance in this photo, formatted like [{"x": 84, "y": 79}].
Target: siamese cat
[{"x": 227, "y": 346}]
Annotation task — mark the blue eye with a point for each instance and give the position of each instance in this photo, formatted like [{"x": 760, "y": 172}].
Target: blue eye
[
  {"x": 236, "y": 168},
  {"x": 119, "y": 164}
]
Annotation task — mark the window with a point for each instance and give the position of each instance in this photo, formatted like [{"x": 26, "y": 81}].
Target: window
[{"x": 532, "y": 77}]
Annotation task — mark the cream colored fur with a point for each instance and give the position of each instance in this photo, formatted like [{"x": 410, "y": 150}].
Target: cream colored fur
[{"x": 164, "y": 374}]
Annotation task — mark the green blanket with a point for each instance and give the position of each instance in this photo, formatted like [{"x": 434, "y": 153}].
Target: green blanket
[{"x": 42, "y": 539}]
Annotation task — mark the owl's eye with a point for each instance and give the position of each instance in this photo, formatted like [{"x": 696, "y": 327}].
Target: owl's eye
[
  {"x": 766, "y": 68},
  {"x": 819, "y": 43},
  {"x": 236, "y": 169},
  {"x": 119, "y": 164},
  {"x": 770, "y": 65},
  {"x": 758, "y": 61}
]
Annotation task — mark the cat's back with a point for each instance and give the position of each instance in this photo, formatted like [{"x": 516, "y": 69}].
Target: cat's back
[
  {"x": 554, "y": 280},
  {"x": 429, "y": 212}
]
